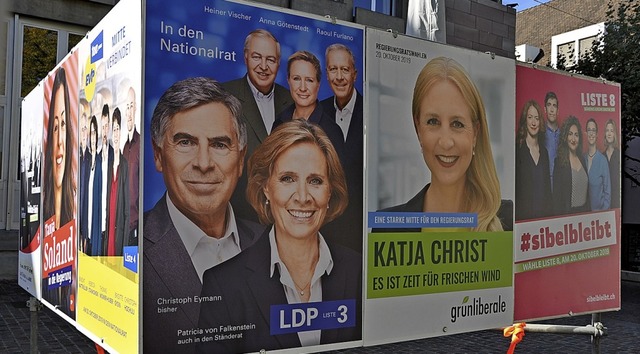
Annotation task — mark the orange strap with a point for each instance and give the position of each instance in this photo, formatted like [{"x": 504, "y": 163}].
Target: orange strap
[
  {"x": 99, "y": 349},
  {"x": 516, "y": 332}
]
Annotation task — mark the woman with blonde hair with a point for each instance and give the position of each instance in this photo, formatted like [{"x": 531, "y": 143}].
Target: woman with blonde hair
[
  {"x": 450, "y": 121},
  {"x": 304, "y": 75},
  {"x": 612, "y": 153}
]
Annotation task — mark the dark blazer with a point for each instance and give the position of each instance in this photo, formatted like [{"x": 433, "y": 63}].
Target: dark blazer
[
  {"x": 614, "y": 173},
  {"x": 256, "y": 133},
  {"x": 321, "y": 119},
  {"x": 131, "y": 153},
  {"x": 505, "y": 213},
  {"x": 85, "y": 166},
  {"x": 96, "y": 215},
  {"x": 248, "y": 291},
  {"x": 169, "y": 274},
  {"x": 122, "y": 209},
  {"x": 347, "y": 229},
  {"x": 533, "y": 186},
  {"x": 354, "y": 144},
  {"x": 562, "y": 189}
]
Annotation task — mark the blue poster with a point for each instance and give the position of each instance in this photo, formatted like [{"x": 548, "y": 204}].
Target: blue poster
[{"x": 253, "y": 178}]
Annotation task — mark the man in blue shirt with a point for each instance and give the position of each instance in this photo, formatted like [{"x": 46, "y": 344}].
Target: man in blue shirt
[{"x": 598, "y": 171}]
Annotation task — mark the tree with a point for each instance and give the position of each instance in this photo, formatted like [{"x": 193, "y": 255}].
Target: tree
[{"x": 615, "y": 57}]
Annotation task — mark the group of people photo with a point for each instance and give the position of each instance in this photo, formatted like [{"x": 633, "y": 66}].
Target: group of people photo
[
  {"x": 263, "y": 201},
  {"x": 564, "y": 166},
  {"x": 109, "y": 173}
]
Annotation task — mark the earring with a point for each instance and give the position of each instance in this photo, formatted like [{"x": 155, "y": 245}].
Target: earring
[
  {"x": 474, "y": 152},
  {"x": 267, "y": 202}
]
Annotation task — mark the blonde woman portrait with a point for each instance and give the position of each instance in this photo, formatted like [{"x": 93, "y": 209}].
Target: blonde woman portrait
[{"x": 451, "y": 125}]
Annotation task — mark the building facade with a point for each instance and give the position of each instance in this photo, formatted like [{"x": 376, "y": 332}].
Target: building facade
[
  {"x": 565, "y": 27},
  {"x": 568, "y": 28},
  {"x": 37, "y": 34}
]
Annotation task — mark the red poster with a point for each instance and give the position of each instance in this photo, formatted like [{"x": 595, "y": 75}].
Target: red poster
[{"x": 567, "y": 235}]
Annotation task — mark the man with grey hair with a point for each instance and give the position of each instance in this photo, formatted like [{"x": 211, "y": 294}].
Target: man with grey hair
[
  {"x": 199, "y": 144},
  {"x": 261, "y": 97},
  {"x": 346, "y": 108}
]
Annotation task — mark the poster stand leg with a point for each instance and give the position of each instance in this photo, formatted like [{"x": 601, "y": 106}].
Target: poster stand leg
[
  {"x": 595, "y": 330},
  {"x": 34, "y": 306},
  {"x": 595, "y": 339}
]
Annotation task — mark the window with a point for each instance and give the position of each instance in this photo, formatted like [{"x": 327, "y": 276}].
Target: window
[
  {"x": 568, "y": 52},
  {"x": 585, "y": 44},
  {"x": 387, "y": 7},
  {"x": 39, "y": 56},
  {"x": 73, "y": 40}
]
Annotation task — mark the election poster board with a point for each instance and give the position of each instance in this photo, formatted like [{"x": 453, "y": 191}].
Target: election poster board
[
  {"x": 433, "y": 273},
  {"x": 195, "y": 48},
  {"x": 567, "y": 236},
  {"x": 59, "y": 181},
  {"x": 110, "y": 66},
  {"x": 29, "y": 252}
]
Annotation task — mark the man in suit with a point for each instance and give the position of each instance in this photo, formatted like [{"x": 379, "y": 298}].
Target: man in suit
[
  {"x": 346, "y": 108},
  {"x": 107, "y": 160},
  {"x": 262, "y": 100},
  {"x": 199, "y": 144},
  {"x": 84, "y": 163},
  {"x": 131, "y": 153}
]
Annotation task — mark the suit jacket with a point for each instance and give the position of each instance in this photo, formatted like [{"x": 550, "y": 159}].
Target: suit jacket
[
  {"x": 347, "y": 229},
  {"x": 614, "y": 173},
  {"x": 533, "y": 187},
  {"x": 505, "y": 213},
  {"x": 131, "y": 153},
  {"x": 96, "y": 213},
  {"x": 169, "y": 274},
  {"x": 256, "y": 133},
  {"x": 85, "y": 166},
  {"x": 354, "y": 144},
  {"x": 561, "y": 194},
  {"x": 248, "y": 291},
  {"x": 122, "y": 207}
]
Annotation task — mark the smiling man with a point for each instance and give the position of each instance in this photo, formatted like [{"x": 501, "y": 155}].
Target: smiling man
[
  {"x": 346, "y": 108},
  {"x": 199, "y": 144},
  {"x": 262, "y": 99}
]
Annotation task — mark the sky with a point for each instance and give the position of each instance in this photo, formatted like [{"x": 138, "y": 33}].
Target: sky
[{"x": 524, "y": 4}]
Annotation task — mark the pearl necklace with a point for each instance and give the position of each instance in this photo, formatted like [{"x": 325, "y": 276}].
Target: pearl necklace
[{"x": 301, "y": 289}]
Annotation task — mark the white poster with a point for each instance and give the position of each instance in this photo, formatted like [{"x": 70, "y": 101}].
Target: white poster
[
  {"x": 443, "y": 267},
  {"x": 29, "y": 256}
]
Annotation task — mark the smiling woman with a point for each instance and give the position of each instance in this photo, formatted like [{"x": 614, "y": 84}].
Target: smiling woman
[
  {"x": 533, "y": 193},
  {"x": 296, "y": 183},
  {"x": 450, "y": 121}
]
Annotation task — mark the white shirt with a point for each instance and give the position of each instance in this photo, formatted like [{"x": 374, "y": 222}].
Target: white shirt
[
  {"x": 92, "y": 175},
  {"x": 105, "y": 180},
  {"x": 265, "y": 105},
  {"x": 205, "y": 251},
  {"x": 343, "y": 116},
  {"x": 324, "y": 265}
]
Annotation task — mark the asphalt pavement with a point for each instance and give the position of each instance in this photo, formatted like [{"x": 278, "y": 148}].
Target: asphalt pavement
[{"x": 623, "y": 332}]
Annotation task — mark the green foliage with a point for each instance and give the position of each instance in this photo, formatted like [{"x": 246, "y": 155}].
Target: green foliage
[
  {"x": 615, "y": 56},
  {"x": 38, "y": 56}
]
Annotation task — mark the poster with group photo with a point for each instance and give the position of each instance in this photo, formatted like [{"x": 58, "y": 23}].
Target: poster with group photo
[
  {"x": 440, "y": 190},
  {"x": 567, "y": 236},
  {"x": 29, "y": 254},
  {"x": 58, "y": 187},
  {"x": 108, "y": 192},
  {"x": 253, "y": 179}
]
